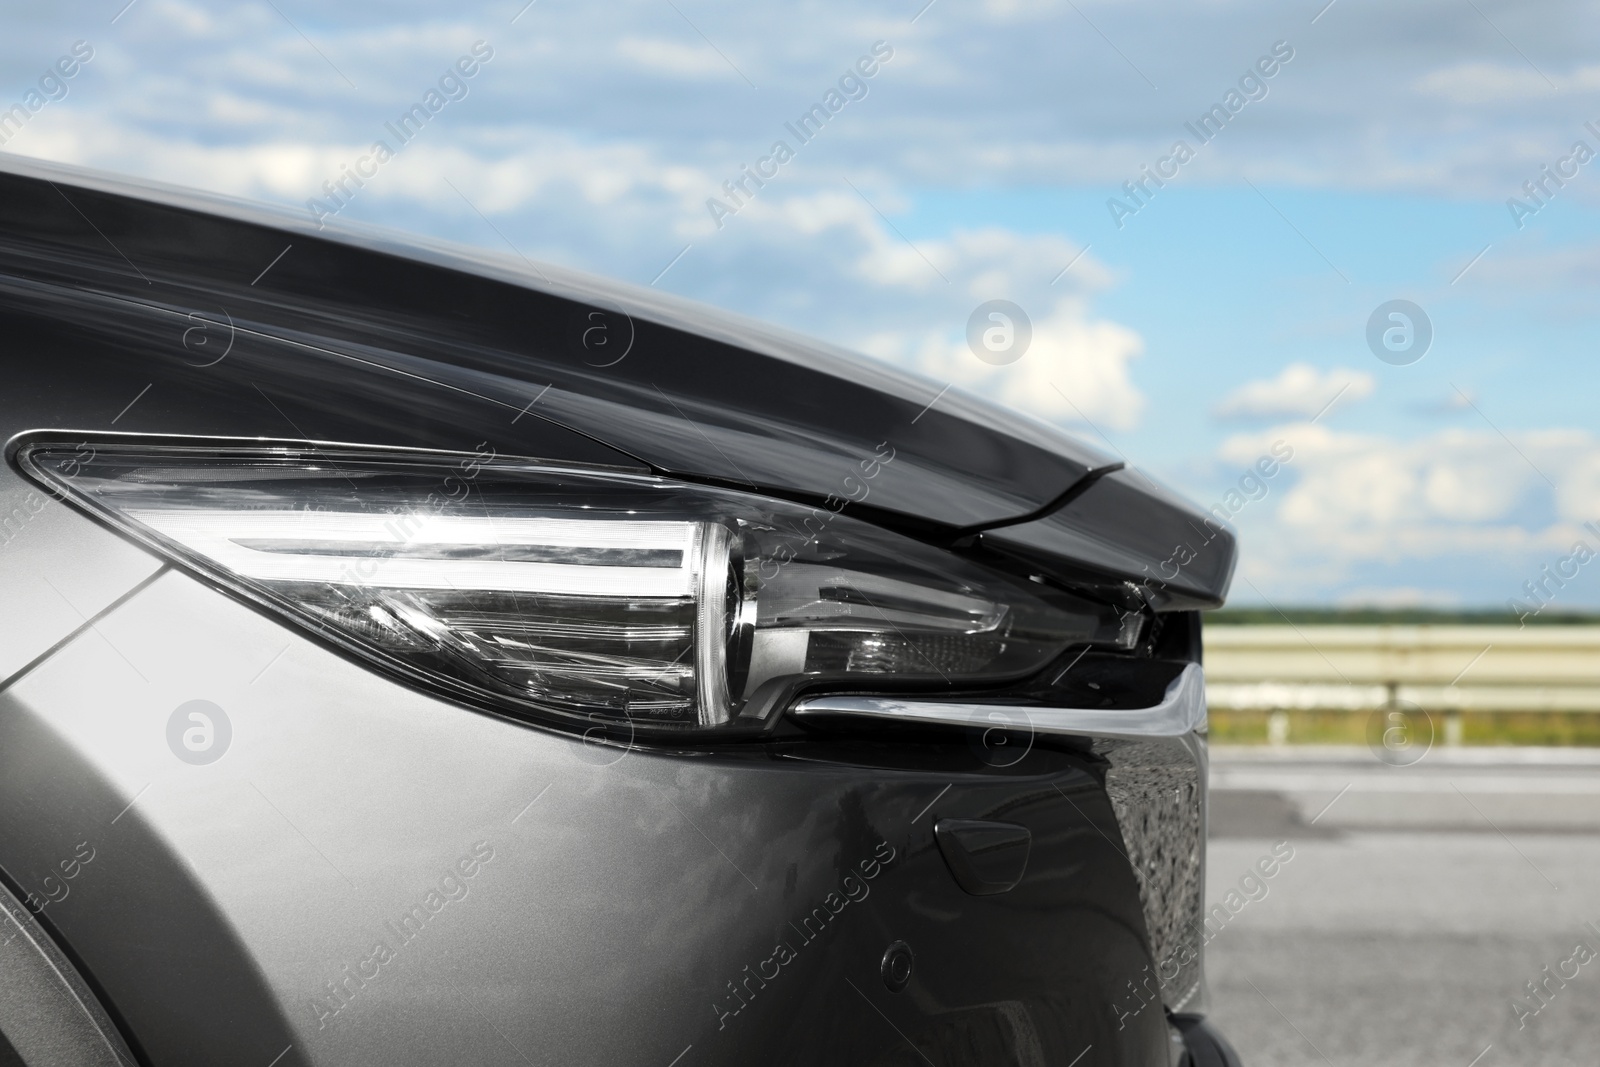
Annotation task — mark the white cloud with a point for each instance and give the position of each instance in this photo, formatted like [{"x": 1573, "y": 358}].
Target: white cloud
[
  {"x": 1076, "y": 370},
  {"x": 547, "y": 169},
  {"x": 986, "y": 263},
  {"x": 280, "y": 170},
  {"x": 189, "y": 19},
  {"x": 672, "y": 58},
  {"x": 1354, "y": 497},
  {"x": 1399, "y": 596},
  {"x": 933, "y": 114},
  {"x": 1501, "y": 83},
  {"x": 1300, "y": 389},
  {"x": 855, "y": 280},
  {"x": 1372, "y": 519},
  {"x": 1005, "y": 9},
  {"x": 1483, "y": 83}
]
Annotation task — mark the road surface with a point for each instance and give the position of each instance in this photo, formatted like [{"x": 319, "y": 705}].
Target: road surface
[{"x": 1419, "y": 903}]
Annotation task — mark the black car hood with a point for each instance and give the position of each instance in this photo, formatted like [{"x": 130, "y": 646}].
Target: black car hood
[{"x": 146, "y": 308}]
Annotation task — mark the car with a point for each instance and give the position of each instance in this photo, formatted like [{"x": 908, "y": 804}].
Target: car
[{"x": 415, "y": 656}]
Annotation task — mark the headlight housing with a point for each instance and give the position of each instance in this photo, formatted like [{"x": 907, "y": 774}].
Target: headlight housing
[{"x": 572, "y": 594}]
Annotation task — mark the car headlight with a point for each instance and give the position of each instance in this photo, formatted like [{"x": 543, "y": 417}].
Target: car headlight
[{"x": 567, "y": 592}]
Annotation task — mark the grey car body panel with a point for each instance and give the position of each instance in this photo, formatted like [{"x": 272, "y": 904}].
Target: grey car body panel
[
  {"x": 626, "y": 891},
  {"x": 57, "y": 570}
]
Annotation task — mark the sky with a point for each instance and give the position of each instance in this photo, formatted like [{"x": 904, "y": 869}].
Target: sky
[{"x": 1217, "y": 314}]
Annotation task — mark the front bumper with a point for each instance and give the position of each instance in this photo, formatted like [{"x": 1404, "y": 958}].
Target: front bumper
[{"x": 311, "y": 887}]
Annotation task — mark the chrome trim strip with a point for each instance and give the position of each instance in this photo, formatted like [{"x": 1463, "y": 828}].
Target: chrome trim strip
[{"x": 1182, "y": 711}]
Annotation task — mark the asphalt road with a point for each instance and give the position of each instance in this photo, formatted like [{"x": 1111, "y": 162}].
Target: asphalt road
[{"x": 1418, "y": 903}]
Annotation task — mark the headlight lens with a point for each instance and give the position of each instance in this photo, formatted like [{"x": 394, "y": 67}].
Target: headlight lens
[{"x": 577, "y": 593}]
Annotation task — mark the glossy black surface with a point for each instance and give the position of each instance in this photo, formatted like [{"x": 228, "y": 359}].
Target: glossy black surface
[
  {"x": 986, "y": 858},
  {"x": 1129, "y": 527},
  {"x": 146, "y": 309},
  {"x": 415, "y": 336}
]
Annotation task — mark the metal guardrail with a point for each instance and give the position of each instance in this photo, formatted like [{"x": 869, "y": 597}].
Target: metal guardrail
[{"x": 1438, "y": 668}]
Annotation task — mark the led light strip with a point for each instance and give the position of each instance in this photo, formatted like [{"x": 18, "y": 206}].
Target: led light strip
[{"x": 370, "y": 547}]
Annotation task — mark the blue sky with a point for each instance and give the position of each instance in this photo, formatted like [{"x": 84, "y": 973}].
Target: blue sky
[{"x": 1373, "y": 164}]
